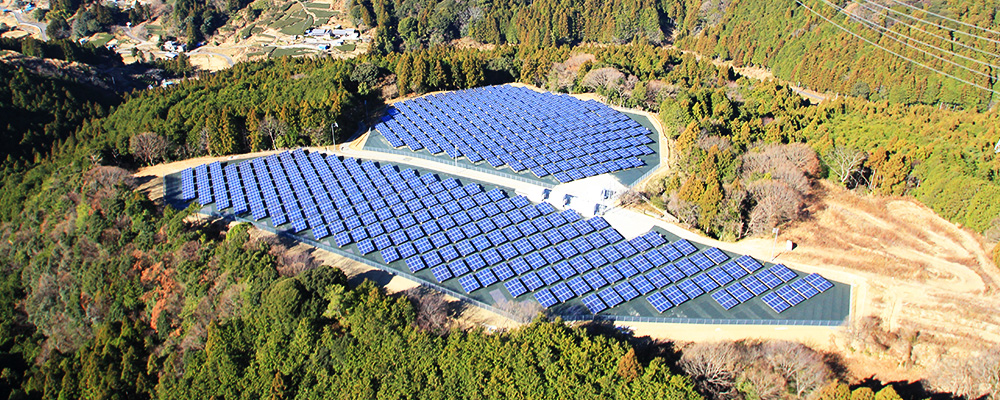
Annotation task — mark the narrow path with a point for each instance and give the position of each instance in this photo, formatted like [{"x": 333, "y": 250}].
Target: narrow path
[
  {"x": 201, "y": 50},
  {"x": 41, "y": 26}
]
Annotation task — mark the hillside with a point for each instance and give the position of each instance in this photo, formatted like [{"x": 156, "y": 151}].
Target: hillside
[{"x": 107, "y": 293}]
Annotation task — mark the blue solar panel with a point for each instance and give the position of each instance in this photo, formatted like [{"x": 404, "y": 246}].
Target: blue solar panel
[
  {"x": 685, "y": 247},
  {"x": 724, "y": 299},
  {"x": 610, "y": 297},
  {"x": 507, "y": 251},
  {"x": 768, "y": 279},
  {"x": 626, "y": 291},
  {"x": 567, "y": 250},
  {"x": 687, "y": 267},
  {"x": 515, "y": 287},
  {"x": 753, "y": 285},
  {"x": 818, "y": 282},
  {"x": 705, "y": 283},
  {"x": 674, "y": 274},
  {"x": 458, "y": 267},
  {"x": 749, "y": 263},
  {"x": 549, "y": 275},
  {"x": 532, "y": 281},
  {"x": 611, "y": 274},
  {"x": 740, "y": 293},
  {"x": 486, "y": 277},
  {"x": 441, "y": 273},
  {"x": 579, "y": 286},
  {"x": 776, "y": 303},
  {"x": 475, "y": 262},
  {"x": 734, "y": 270},
  {"x": 642, "y": 284},
  {"x": 690, "y": 288},
  {"x": 626, "y": 268},
  {"x": 520, "y": 266},
  {"x": 789, "y": 295},
  {"x": 654, "y": 238},
  {"x": 612, "y": 236},
  {"x": 594, "y": 279},
  {"x": 545, "y": 298},
  {"x": 804, "y": 288},
  {"x": 782, "y": 272},
  {"x": 415, "y": 263},
  {"x": 432, "y": 259},
  {"x": 657, "y": 278},
  {"x": 469, "y": 283},
  {"x": 562, "y": 292},
  {"x": 503, "y": 271},
  {"x": 675, "y": 295},
  {"x": 389, "y": 255},
  {"x": 659, "y": 302},
  {"x": 407, "y": 250},
  {"x": 423, "y": 245},
  {"x": 670, "y": 253},
  {"x": 717, "y": 256},
  {"x": 702, "y": 261},
  {"x": 594, "y": 304},
  {"x": 492, "y": 256}
]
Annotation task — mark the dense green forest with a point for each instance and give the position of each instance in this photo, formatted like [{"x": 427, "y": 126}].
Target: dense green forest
[
  {"x": 783, "y": 35},
  {"x": 800, "y": 46},
  {"x": 105, "y": 294}
]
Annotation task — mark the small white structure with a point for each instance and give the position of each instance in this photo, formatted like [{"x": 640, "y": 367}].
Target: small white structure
[{"x": 174, "y": 47}]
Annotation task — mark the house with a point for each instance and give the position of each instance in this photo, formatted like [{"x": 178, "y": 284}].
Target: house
[
  {"x": 318, "y": 32},
  {"x": 175, "y": 47},
  {"x": 348, "y": 34}
]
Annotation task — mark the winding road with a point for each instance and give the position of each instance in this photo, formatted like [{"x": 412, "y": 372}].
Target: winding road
[{"x": 41, "y": 26}]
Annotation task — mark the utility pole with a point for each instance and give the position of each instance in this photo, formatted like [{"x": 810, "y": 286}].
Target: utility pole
[
  {"x": 333, "y": 135},
  {"x": 775, "y": 244}
]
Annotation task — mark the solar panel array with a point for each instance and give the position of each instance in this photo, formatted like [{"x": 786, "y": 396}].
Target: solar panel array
[
  {"x": 524, "y": 130},
  {"x": 796, "y": 291},
  {"x": 692, "y": 274},
  {"x": 484, "y": 238}
]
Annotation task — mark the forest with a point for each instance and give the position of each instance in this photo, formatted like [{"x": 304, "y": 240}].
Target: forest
[{"x": 106, "y": 294}]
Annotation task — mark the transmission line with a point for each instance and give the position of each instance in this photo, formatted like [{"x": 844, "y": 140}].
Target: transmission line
[
  {"x": 914, "y": 27},
  {"x": 895, "y": 53},
  {"x": 886, "y": 30},
  {"x": 944, "y": 17},
  {"x": 942, "y": 26}
]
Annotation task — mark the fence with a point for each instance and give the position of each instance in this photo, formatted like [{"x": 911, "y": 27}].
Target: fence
[
  {"x": 462, "y": 297},
  {"x": 704, "y": 321},
  {"x": 491, "y": 171},
  {"x": 644, "y": 176}
]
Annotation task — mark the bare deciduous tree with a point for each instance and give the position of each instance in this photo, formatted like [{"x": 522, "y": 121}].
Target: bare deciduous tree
[
  {"x": 845, "y": 162},
  {"x": 273, "y": 129},
  {"x": 971, "y": 377},
  {"x": 631, "y": 197},
  {"x": 107, "y": 177},
  {"x": 520, "y": 310},
  {"x": 802, "y": 367},
  {"x": 712, "y": 366},
  {"x": 432, "y": 309},
  {"x": 148, "y": 147},
  {"x": 603, "y": 78},
  {"x": 777, "y": 203}
]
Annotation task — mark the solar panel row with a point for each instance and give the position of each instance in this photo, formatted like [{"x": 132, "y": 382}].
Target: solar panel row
[
  {"x": 543, "y": 133},
  {"x": 481, "y": 238}
]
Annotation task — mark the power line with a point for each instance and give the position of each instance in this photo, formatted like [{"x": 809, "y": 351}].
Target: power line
[
  {"x": 941, "y": 26},
  {"x": 944, "y": 17},
  {"x": 894, "y": 53},
  {"x": 886, "y": 30},
  {"x": 900, "y": 22}
]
